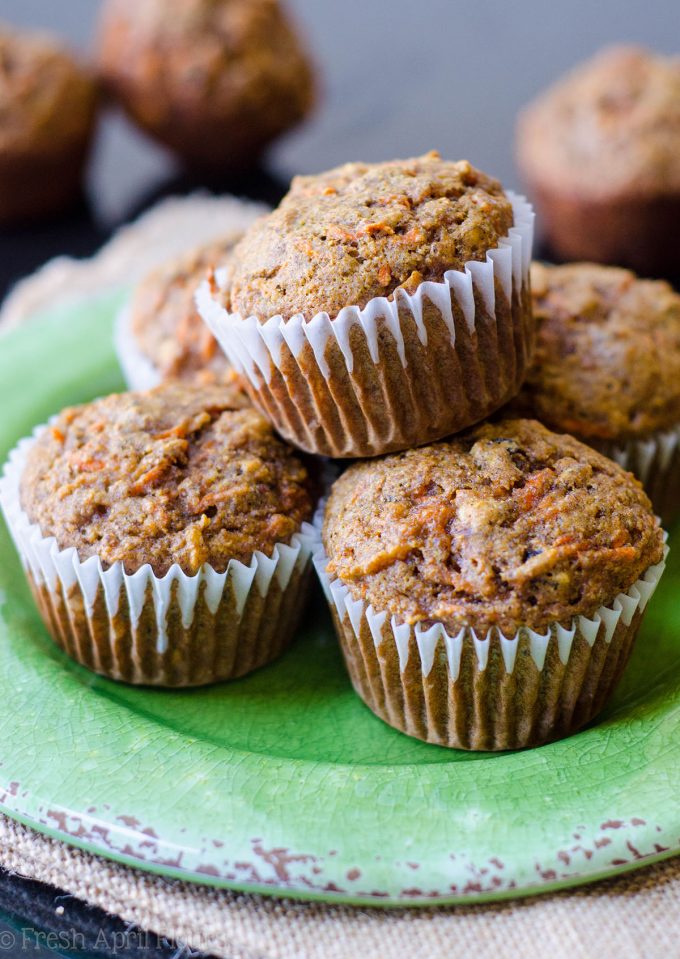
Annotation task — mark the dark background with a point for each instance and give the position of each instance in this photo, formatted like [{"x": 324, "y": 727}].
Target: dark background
[{"x": 400, "y": 77}]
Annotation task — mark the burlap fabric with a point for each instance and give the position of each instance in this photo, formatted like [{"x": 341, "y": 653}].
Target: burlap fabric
[{"x": 634, "y": 917}]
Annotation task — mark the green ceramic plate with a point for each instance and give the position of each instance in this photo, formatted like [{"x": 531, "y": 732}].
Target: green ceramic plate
[{"x": 284, "y": 782}]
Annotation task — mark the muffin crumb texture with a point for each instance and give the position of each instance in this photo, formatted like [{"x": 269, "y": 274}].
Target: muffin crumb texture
[
  {"x": 365, "y": 230},
  {"x": 507, "y": 526},
  {"x": 607, "y": 361},
  {"x": 610, "y": 126},
  {"x": 180, "y": 474},
  {"x": 165, "y": 323}
]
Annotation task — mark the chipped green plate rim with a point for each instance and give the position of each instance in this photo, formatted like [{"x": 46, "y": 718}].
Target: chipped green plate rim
[{"x": 284, "y": 782}]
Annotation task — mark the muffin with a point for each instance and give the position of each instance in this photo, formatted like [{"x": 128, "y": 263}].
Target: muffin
[
  {"x": 47, "y": 113},
  {"x": 487, "y": 590},
  {"x": 160, "y": 335},
  {"x": 380, "y": 306},
  {"x": 163, "y": 534},
  {"x": 216, "y": 81},
  {"x": 607, "y": 369},
  {"x": 600, "y": 153}
]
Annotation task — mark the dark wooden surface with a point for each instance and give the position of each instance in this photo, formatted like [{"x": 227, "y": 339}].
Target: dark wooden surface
[{"x": 399, "y": 77}]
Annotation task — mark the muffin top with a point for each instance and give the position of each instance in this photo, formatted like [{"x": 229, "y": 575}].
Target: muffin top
[
  {"x": 612, "y": 125},
  {"x": 165, "y": 322},
  {"x": 214, "y": 79},
  {"x": 365, "y": 230},
  {"x": 607, "y": 361},
  {"x": 181, "y": 474},
  {"x": 46, "y": 99},
  {"x": 509, "y": 525}
]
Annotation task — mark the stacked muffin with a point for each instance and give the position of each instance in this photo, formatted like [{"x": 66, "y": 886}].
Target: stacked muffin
[{"x": 486, "y": 578}]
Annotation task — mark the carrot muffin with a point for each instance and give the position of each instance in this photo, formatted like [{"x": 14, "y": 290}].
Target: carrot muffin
[
  {"x": 161, "y": 334},
  {"x": 484, "y": 586},
  {"x": 47, "y": 112},
  {"x": 600, "y": 152},
  {"x": 369, "y": 312},
  {"x": 217, "y": 80},
  {"x": 607, "y": 369},
  {"x": 180, "y": 512}
]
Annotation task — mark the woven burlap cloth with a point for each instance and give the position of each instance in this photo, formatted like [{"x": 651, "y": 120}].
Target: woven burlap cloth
[
  {"x": 634, "y": 917},
  {"x": 637, "y": 915}
]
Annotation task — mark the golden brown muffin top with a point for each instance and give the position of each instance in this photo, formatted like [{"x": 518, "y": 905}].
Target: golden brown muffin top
[
  {"x": 216, "y": 79},
  {"x": 46, "y": 98},
  {"x": 165, "y": 322},
  {"x": 607, "y": 361},
  {"x": 611, "y": 125},
  {"x": 180, "y": 474},
  {"x": 509, "y": 525},
  {"x": 364, "y": 230}
]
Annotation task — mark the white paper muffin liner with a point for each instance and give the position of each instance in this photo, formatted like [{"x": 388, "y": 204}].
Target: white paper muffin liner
[
  {"x": 485, "y": 692},
  {"x": 174, "y": 630},
  {"x": 400, "y": 371},
  {"x": 656, "y": 463},
  {"x": 138, "y": 370}
]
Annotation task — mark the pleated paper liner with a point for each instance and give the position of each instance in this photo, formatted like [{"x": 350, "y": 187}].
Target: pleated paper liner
[
  {"x": 175, "y": 630},
  {"x": 485, "y": 692},
  {"x": 138, "y": 370},
  {"x": 399, "y": 372},
  {"x": 655, "y": 460}
]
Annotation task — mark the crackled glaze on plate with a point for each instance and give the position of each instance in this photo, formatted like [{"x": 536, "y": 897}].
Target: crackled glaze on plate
[{"x": 283, "y": 782}]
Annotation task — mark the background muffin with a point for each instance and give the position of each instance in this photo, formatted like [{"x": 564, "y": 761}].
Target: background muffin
[
  {"x": 167, "y": 499},
  {"x": 161, "y": 334},
  {"x": 600, "y": 152},
  {"x": 481, "y": 567},
  {"x": 365, "y": 312},
  {"x": 47, "y": 111},
  {"x": 217, "y": 80},
  {"x": 607, "y": 368}
]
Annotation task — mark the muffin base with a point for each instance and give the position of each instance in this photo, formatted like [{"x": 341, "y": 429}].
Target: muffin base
[
  {"x": 395, "y": 374},
  {"x": 38, "y": 185},
  {"x": 175, "y": 630},
  {"x": 639, "y": 232},
  {"x": 490, "y": 693}
]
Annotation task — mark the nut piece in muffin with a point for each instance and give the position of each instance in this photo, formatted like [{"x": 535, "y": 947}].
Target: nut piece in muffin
[
  {"x": 607, "y": 368},
  {"x": 164, "y": 325},
  {"x": 47, "y": 112},
  {"x": 375, "y": 343},
  {"x": 216, "y": 80},
  {"x": 600, "y": 152},
  {"x": 510, "y": 536},
  {"x": 177, "y": 483}
]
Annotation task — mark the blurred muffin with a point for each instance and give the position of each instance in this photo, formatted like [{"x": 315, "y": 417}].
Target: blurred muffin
[
  {"x": 487, "y": 590},
  {"x": 167, "y": 525},
  {"x": 161, "y": 334},
  {"x": 368, "y": 312},
  {"x": 47, "y": 113},
  {"x": 607, "y": 369},
  {"x": 600, "y": 152},
  {"x": 215, "y": 80}
]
